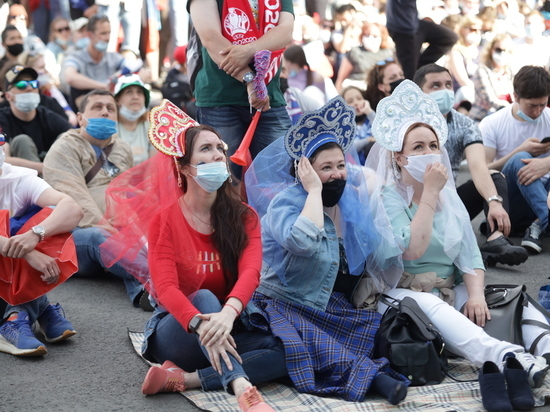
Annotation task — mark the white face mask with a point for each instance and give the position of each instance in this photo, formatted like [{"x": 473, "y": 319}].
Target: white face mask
[
  {"x": 474, "y": 38},
  {"x": 501, "y": 59},
  {"x": 27, "y": 102},
  {"x": 131, "y": 115},
  {"x": 210, "y": 176},
  {"x": 372, "y": 43},
  {"x": 417, "y": 165}
]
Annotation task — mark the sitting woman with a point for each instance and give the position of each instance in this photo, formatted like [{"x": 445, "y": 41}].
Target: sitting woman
[
  {"x": 204, "y": 257},
  {"x": 433, "y": 236},
  {"x": 316, "y": 241},
  {"x": 376, "y": 46},
  {"x": 364, "y": 116},
  {"x": 493, "y": 78},
  {"x": 381, "y": 80},
  {"x": 132, "y": 99}
]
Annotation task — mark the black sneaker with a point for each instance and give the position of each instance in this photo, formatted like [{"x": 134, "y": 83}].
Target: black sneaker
[
  {"x": 532, "y": 238},
  {"x": 502, "y": 250}
]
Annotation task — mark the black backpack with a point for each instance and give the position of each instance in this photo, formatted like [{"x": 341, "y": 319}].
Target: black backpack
[{"x": 410, "y": 342}]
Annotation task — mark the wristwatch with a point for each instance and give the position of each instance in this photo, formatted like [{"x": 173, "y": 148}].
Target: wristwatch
[
  {"x": 40, "y": 231},
  {"x": 194, "y": 324},
  {"x": 495, "y": 197},
  {"x": 248, "y": 77}
]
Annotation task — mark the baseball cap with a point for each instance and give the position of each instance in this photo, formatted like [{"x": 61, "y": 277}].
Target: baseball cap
[
  {"x": 13, "y": 75},
  {"x": 131, "y": 80},
  {"x": 77, "y": 24}
]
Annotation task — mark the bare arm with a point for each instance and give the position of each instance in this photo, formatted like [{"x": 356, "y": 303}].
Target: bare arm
[
  {"x": 17, "y": 161},
  {"x": 486, "y": 187},
  {"x": 476, "y": 308},
  {"x": 458, "y": 70},
  {"x": 343, "y": 73},
  {"x": 81, "y": 82},
  {"x": 531, "y": 145}
]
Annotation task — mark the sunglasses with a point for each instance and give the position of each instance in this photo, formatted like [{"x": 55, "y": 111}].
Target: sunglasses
[
  {"x": 499, "y": 50},
  {"x": 23, "y": 84},
  {"x": 383, "y": 62},
  {"x": 63, "y": 29}
]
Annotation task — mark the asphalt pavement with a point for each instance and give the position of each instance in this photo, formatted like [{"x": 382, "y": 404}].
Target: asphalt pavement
[{"x": 97, "y": 369}]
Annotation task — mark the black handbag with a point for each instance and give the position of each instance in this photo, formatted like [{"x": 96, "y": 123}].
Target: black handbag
[{"x": 407, "y": 338}]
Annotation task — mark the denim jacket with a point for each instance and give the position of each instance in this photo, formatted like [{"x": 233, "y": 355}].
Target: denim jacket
[{"x": 300, "y": 260}]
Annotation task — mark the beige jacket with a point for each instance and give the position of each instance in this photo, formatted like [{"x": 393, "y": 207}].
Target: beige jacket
[{"x": 69, "y": 160}]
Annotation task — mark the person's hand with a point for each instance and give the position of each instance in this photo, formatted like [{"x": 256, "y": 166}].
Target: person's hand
[
  {"x": 534, "y": 147},
  {"x": 309, "y": 178},
  {"x": 44, "y": 264},
  {"x": 534, "y": 169},
  {"x": 218, "y": 353},
  {"x": 237, "y": 58},
  {"x": 476, "y": 310},
  {"x": 216, "y": 327},
  {"x": 365, "y": 109},
  {"x": 498, "y": 219},
  {"x": 261, "y": 105},
  {"x": 72, "y": 117},
  {"x": 90, "y": 11},
  {"x": 435, "y": 177},
  {"x": 19, "y": 245}
]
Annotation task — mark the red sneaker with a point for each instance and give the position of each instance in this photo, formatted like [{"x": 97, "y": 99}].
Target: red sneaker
[
  {"x": 165, "y": 378},
  {"x": 251, "y": 400}
]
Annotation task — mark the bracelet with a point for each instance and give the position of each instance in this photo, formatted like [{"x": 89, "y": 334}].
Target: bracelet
[
  {"x": 422, "y": 201},
  {"x": 234, "y": 308}
]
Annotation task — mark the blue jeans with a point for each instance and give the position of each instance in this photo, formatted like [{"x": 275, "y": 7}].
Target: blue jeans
[
  {"x": 87, "y": 243},
  {"x": 263, "y": 355},
  {"x": 131, "y": 25},
  {"x": 231, "y": 122},
  {"x": 529, "y": 202},
  {"x": 34, "y": 308}
]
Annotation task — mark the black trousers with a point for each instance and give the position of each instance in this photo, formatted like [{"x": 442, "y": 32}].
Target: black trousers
[
  {"x": 407, "y": 46},
  {"x": 475, "y": 203}
]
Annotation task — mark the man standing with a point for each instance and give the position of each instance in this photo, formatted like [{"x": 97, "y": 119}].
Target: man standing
[
  {"x": 82, "y": 163},
  {"x": 515, "y": 140},
  {"x": 231, "y": 33},
  {"x": 487, "y": 189},
  {"x": 31, "y": 128}
]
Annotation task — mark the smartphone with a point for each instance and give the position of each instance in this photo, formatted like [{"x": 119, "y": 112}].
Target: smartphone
[{"x": 546, "y": 140}]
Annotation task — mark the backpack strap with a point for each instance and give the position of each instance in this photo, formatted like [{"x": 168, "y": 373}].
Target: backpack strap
[{"x": 99, "y": 163}]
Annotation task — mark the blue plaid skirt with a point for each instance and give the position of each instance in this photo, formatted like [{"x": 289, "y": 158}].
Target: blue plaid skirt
[{"x": 327, "y": 353}]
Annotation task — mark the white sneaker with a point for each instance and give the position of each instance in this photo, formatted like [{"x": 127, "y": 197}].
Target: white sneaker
[{"x": 535, "y": 366}]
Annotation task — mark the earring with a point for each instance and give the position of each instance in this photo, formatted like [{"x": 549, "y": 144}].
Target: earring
[
  {"x": 395, "y": 167},
  {"x": 228, "y": 170},
  {"x": 178, "y": 172}
]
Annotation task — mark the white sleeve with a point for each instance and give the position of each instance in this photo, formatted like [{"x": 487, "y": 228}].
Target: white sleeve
[
  {"x": 33, "y": 188},
  {"x": 487, "y": 133}
]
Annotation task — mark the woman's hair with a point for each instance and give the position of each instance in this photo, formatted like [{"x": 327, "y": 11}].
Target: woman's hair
[
  {"x": 375, "y": 77},
  {"x": 417, "y": 126},
  {"x": 315, "y": 154},
  {"x": 486, "y": 54},
  {"x": 464, "y": 23},
  {"x": 386, "y": 42},
  {"x": 52, "y": 26},
  {"x": 228, "y": 215},
  {"x": 347, "y": 89},
  {"x": 295, "y": 54}
]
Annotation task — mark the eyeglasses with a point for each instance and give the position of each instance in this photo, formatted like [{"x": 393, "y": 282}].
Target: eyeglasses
[
  {"x": 67, "y": 28},
  {"x": 499, "y": 50},
  {"x": 19, "y": 17},
  {"x": 23, "y": 84},
  {"x": 383, "y": 62}
]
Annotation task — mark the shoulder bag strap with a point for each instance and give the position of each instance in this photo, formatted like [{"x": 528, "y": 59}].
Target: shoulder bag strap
[
  {"x": 540, "y": 324},
  {"x": 99, "y": 164}
]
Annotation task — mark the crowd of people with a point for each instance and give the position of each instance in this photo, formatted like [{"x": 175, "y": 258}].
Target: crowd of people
[{"x": 354, "y": 119}]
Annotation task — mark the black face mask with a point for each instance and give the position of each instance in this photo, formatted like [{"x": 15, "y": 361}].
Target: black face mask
[
  {"x": 284, "y": 84},
  {"x": 394, "y": 84},
  {"x": 332, "y": 192},
  {"x": 360, "y": 118},
  {"x": 15, "y": 49}
]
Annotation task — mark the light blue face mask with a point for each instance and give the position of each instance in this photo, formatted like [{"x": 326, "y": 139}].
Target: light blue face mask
[
  {"x": 82, "y": 43},
  {"x": 525, "y": 117},
  {"x": 445, "y": 99},
  {"x": 101, "y": 46},
  {"x": 211, "y": 176},
  {"x": 101, "y": 128}
]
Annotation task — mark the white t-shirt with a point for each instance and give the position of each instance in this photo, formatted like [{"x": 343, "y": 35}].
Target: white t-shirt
[
  {"x": 503, "y": 132},
  {"x": 20, "y": 189}
]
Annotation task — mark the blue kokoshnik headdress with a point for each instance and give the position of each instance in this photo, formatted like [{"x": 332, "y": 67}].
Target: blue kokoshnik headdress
[{"x": 334, "y": 122}]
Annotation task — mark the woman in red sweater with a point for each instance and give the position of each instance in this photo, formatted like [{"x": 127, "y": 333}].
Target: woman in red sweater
[{"x": 205, "y": 256}]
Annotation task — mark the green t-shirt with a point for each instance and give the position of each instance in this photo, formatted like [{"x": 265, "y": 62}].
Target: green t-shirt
[{"x": 213, "y": 87}]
